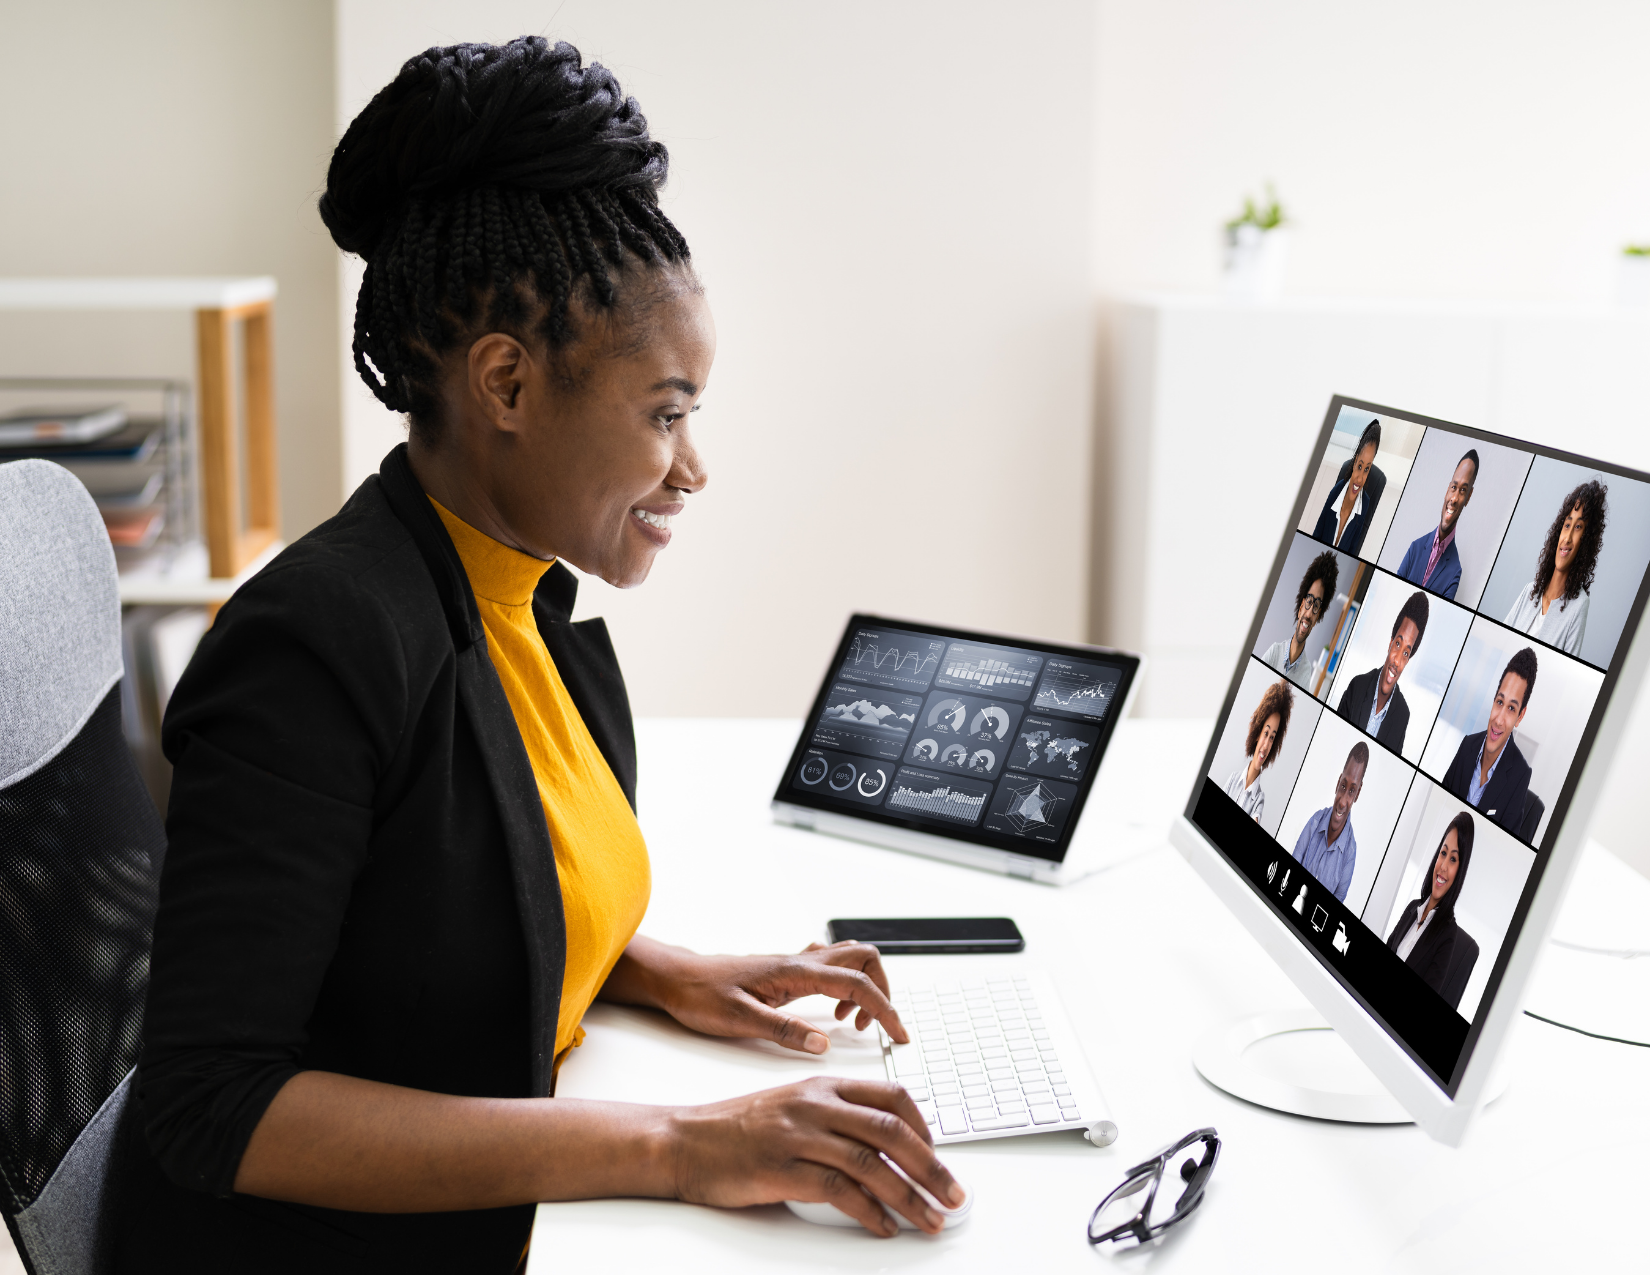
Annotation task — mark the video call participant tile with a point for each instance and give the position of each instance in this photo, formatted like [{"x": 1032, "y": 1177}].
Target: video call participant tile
[
  {"x": 1361, "y": 474},
  {"x": 1264, "y": 743},
  {"x": 1031, "y": 806},
  {"x": 1346, "y": 802},
  {"x": 1509, "y": 727},
  {"x": 1572, "y": 560},
  {"x": 1448, "y": 526},
  {"x": 969, "y": 734},
  {"x": 1446, "y": 893},
  {"x": 1394, "y": 672},
  {"x": 1305, "y": 611},
  {"x": 833, "y": 774},
  {"x": 867, "y": 720},
  {"x": 1052, "y": 747}
]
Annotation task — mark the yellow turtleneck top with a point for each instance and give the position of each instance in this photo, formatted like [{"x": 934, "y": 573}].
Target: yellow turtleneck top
[{"x": 601, "y": 857}]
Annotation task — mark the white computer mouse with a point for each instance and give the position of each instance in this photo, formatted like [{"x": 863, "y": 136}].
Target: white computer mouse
[{"x": 830, "y": 1215}]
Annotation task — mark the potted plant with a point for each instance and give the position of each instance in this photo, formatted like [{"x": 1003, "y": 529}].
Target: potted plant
[
  {"x": 1257, "y": 249},
  {"x": 1633, "y": 275}
]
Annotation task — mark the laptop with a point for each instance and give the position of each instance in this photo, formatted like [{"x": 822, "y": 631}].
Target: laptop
[{"x": 976, "y": 748}]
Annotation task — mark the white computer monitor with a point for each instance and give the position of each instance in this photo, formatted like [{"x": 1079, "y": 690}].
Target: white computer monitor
[{"x": 1401, "y": 777}]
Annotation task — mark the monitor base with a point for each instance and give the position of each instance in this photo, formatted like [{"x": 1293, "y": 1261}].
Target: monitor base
[{"x": 1292, "y": 1061}]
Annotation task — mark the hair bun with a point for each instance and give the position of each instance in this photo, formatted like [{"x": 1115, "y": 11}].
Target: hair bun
[{"x": 525, "y": 114}]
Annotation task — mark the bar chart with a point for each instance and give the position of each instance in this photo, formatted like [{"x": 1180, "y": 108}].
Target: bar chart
[
  {"x": 938, "y": 797},
  {"x": 998, "y": 670}
]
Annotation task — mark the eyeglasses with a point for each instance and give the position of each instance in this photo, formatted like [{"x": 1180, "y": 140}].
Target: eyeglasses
[
  {"x": 1314, "y": 602},
  {"x": 1135, "y": 1213}
]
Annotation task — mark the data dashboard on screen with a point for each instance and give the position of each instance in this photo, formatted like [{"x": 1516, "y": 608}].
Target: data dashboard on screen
[
  {"x": 1432, "y": 654},
  {"x": 989, "y": 741}
]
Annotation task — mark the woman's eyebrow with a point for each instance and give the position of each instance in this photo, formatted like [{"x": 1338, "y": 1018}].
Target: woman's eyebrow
[{"x": 675, "y": 383}]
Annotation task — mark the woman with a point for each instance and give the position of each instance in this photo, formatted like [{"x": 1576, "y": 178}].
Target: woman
[
  {"x": 1427, "y": 937},
  {"x": 1261, "y": 746},
  {"x": 1554, "y": 607},
  {"x": 1352, "y": 501},
  {"x": 403, "y": 857}
]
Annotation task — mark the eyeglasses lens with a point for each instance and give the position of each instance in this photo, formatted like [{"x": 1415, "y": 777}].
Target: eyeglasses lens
[{"x": 1124, "y": 1205}]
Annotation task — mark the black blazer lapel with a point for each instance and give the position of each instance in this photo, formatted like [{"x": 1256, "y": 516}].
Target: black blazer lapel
[
  {"x": 583, "y": 654},
  {"x": 515, "y": 790}
]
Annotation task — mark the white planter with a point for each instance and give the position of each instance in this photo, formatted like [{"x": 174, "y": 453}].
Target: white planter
[
  {"x": 1633, "y": 280},
  {"x": 1255, "y": 262}
]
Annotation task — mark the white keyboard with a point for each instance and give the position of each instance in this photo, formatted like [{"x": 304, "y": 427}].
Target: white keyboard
[{"x": 991, "y": 1057}]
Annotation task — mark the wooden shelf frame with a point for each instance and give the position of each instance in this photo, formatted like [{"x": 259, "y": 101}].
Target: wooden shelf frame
[{"x": 235, "y": 537}]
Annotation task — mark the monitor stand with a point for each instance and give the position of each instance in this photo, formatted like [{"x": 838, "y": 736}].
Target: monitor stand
[{"x": 1291, "y": 1060}]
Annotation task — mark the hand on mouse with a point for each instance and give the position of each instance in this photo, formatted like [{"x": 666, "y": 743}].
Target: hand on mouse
[
  {"x": 820, "y": 1140},
  {"x": 741, "y": 995}
]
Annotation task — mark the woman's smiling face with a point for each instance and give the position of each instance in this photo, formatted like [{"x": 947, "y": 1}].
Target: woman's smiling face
[
  {"x": 583, "y": 454},
  {"x": 1445, "y": 866}
]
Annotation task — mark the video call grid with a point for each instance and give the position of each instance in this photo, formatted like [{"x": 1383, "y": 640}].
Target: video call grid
[{"x": 1368, "y": 557}]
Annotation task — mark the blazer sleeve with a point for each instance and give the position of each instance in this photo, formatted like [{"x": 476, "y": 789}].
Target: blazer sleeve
[
  {"x": 1460, "y": 767},
  {"x": 278, "y": 733},
  {"x": 1413, "y": 565},
  {"x": 1396, "y": 725}
]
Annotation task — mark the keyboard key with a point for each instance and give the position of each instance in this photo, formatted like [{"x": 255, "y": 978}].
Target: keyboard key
[
  {"x": 976, "y": 1091},
  {"x": 1002, "y": 1072},
  {"x": 919, "y": 1093},
  {"x": 953, "y": 1120},
  {"x": 1024, "y": 1055},
  {"x": 929, "y": 1112},
  {"x": 907, "y": 1061},
  {"x": 1069, "y": 1113},
  {"x": 1005, "y": 1121},
  {"x": 1062, "y": 1091},
  {"x": 1000, "y": 1087},
  {"x": 1041, "y": 1114}
]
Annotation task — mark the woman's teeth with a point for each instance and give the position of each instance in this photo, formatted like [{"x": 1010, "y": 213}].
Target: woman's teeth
[{"x": 661, "y": 521}]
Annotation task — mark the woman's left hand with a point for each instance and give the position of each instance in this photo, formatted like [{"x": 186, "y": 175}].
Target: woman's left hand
[{"x": 741, "y": 995}]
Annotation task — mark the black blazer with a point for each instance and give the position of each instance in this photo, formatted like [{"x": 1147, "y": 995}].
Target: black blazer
[
  {"x": 1353, "y": 541},
  {"x": 359, "y": 880},
  {"x": 1443, "y": 956},
  {"x": 1503, "y": 799},
  {"x": 1359, "y": 702}
]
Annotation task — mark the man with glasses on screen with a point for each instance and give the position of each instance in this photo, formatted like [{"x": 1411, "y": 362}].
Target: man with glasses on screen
[
  {"x": 1432, "y": 560},
  {"x": 1288, "y": 654},
  {"x": 1489, "y": 772},
  {"x": 1326, "y": 847}
]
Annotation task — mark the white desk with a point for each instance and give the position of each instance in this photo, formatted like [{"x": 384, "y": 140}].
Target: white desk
[{"x": 1147, "y": 961}]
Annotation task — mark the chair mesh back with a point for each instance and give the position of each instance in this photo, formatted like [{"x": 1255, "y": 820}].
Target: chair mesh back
[{"x": 80, "y": 851}]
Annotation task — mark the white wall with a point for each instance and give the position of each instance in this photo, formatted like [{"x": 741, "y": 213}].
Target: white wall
[
  {"x": 176, "y": 137},
  {"x": 1485, "y": 149},
  {"x": 889, "y": 205}
]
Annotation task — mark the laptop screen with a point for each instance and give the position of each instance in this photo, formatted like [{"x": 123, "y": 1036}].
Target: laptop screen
[
  {"x": 981, "y": 739},
  {"x": 1442, "y": 629}
]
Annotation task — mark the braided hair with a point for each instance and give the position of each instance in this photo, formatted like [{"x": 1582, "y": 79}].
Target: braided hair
[{"x": 490, "y": 188}]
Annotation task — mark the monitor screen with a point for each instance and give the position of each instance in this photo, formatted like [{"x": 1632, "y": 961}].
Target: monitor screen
[
  {"x": 985, "y": 740},
  {"x": 1431, "y": 657}
]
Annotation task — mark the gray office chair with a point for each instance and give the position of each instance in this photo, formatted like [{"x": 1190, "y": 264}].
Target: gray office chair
[{"x": 80, "y": 853}]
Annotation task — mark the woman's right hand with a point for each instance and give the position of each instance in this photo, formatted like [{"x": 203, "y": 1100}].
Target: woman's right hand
[{"x": 820, "y": 1140}]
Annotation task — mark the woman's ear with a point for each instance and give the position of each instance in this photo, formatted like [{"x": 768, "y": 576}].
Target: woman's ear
[{"x": 498, "y": 365}]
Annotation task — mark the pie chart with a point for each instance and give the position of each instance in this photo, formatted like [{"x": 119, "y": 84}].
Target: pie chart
[{"x": 948, "y": 714}]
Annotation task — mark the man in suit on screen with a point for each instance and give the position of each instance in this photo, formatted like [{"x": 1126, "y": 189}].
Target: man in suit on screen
[
  {"x": 1373, "y": 703},
  {"x": 1489, "y": 772},
  {"x": 1432, "y": 560}
]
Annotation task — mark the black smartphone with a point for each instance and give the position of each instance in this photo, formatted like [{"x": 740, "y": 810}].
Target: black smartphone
[{"x": 911, "y": 936}]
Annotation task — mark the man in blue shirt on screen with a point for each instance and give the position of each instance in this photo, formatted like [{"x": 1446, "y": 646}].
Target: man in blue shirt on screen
[
  {"x": 1432, "y": 560},
  {"x": 1326, "y": 847}
]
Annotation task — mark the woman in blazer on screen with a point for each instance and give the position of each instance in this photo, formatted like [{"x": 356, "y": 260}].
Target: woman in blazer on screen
[
  {"x": 1427, "y": 937},
  {"x": 403, "y": 857},
  {"x": 1352, "y": 501}
]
